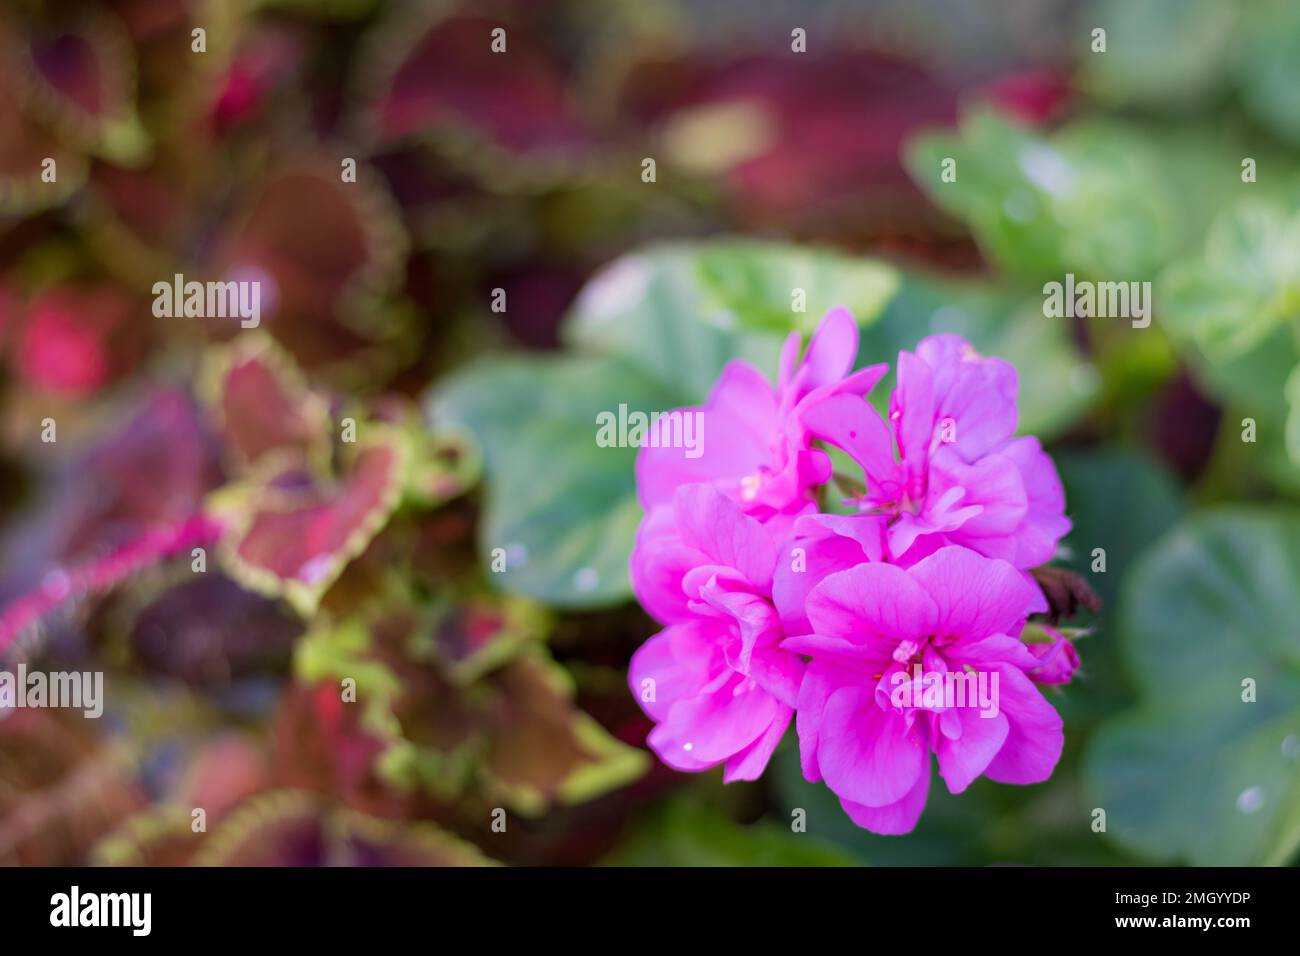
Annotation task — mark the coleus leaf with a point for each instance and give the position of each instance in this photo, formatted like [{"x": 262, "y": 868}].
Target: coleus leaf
[
  {"x": 473, "y": 636},
  {"x": 291, "y": 535},
  {"x": 24, "y": 145},
  {"x": 811, "y": 140},
  {"x": 260, "y": 403},
  {"x": 447, "y": 464},
  {"x": 437, "y": 77},
  {"x": 178, "y": 85},
  {"x": 77, "y": 76},
  {"x": 319, "y": 742},
  {"x": 514, "y": 733},
  {"x": 297, "y": 828},
  {"x": 125, "y": 503},
  {"x": 137, "y": 218},
  {"x": 227, "y": 770},
  {"x": 542, "y": 748},
  {"x": 61, "y": 787},
  {"x": 159, "y": 835},
  {"x": 208, "y": 631},
  {"x": 324, "y": 251},
  {"x": 62, "y": 586}
]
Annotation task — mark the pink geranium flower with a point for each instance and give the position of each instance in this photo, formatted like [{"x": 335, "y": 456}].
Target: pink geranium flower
[
  {"x": 946, "y": 469},
  {"x": 756, "y": 448},
  {"x": 715, "y": 680},
  {"x": 875, "y": 628}
]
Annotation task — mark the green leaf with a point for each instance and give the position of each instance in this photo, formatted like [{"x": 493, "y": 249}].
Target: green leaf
[
  {"x": 1042, "y": 825},
  {"x": 1268, "y": 65},
  {"x": 1090, "y": 199},
  {"x": 685, "y": 833},
  {"x": 1243, "y": 285},
  {"x": 1123, "y": 503},
  {"x": 655, "y": 329},
  {"x": 1235, "y": 308},
  {"x": 1293, "y": 416},
  {"x": 1196, "y": 773},
  {"x": 681, "y": 311},
  {"x": 1254, "y": 386},
  {"x": 1119, "y": 501},
  {"x": 752, "y": 285},
  {"x": 561, "y": 509},
  {"x": 1159, "y": 53}
]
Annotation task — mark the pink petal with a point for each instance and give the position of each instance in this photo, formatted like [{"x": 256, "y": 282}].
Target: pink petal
[
  {"x": 832, "y": 349},
  {"x": 911, "y": 409},
  {"x": 993, "y": 483},
  {"x": 681, "y": 660},
  {"x": 1034, "y": 743},
  {"x": 998, "y": 649},
  {"x": 714, "y": 525},
  {"x": 659, "y": 564},
  {"x": 819, "y": 683},
  {"x": 740, "y": 418},
  {"x": 976, "y": 392},
  {"x": 852, "y": 425},
  {"x": 750, "y": 763},
  {"x": 963, "y": 759},
  {"x": 897, "y": 818},
  {"x": 865, "y": 754},
  {"x": 975, "y": 596},
  {"x": 712, "y": 727},
  {"x": 1045, "y": 523},
  {"x": 872, "y": 600},
  {"x": 821, "y": 557}
]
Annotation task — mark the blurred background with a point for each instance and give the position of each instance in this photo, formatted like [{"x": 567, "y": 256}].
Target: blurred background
[{"x": 331, "y": 648}]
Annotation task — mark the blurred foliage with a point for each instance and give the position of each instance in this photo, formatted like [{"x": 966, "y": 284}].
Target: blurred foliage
[{"x": 374, "y": 561}]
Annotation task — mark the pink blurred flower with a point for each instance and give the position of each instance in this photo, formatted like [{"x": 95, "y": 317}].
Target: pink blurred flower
[
  {"x": 953, "y": 613},
  {"x": 59, "y": 352},
  {"x": 715, "y": 681}
]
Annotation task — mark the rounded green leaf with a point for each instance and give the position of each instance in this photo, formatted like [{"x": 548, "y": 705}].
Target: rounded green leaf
[
  {"x": 1090, "y": 199},
  {"x": 681, "y": 311},
  {"x": 1208, "y": 768},
  {"x": 561, "y": 511}
]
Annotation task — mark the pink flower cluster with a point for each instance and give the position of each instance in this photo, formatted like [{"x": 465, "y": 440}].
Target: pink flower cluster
[{"x": 858, "y": 624}]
